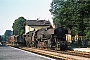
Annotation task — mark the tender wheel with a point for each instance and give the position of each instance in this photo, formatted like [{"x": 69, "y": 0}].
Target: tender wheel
[{"x": 63, "y": 47}]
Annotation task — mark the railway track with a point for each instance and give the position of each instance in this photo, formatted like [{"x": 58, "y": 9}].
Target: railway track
[
  {"x": 57, "y": 54},
  {"x": 47, "y": 53},
  {"x": 75, "y": 53}
]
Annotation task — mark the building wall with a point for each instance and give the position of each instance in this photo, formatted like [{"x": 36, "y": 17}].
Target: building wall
[
  {"x": 39, "y": 27},
  {"x": 27, "y": 29},
  {"x": 31, "y": 28}
]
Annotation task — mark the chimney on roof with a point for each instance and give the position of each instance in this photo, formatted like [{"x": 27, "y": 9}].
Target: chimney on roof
[
  {"x": 37, "y": 19},
  {"x": 44, "y": 21}
]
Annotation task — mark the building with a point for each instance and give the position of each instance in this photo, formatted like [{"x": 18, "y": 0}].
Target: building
[{"x": 31, "y": 25}]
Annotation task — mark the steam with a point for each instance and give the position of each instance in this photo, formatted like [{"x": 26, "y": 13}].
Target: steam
[{"x": 51, "y": 21}]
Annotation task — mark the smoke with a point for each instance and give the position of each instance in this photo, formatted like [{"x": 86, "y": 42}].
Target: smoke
[{"x": 51, "y": 21}]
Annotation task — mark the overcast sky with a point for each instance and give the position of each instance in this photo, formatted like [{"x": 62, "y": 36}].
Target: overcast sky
[{"x": 29, "y": 9}]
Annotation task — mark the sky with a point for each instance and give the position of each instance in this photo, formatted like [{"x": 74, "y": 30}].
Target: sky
[{"x": 29, "y": 9}]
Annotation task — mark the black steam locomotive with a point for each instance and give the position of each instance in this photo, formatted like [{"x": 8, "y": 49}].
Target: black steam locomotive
[{"x": 48, "y": 38}]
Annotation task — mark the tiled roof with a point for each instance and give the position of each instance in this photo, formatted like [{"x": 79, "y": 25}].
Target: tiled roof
[{"x": 37, "y": 22}]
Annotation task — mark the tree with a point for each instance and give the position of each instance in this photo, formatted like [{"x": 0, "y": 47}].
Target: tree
[
  {"x": 7, "y": 34},
  {"x": 18, "y": 26},
  {"x": 84, "y": 16},
  {"x": 72, "y": 14},
  {"x": 64, "y": 12}
]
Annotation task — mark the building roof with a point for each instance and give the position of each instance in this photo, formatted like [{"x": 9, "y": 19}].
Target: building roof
[{"x": 37, "y": 22}]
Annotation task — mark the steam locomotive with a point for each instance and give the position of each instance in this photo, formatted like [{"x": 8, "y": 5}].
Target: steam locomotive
[{"x": 51, "y": 38}]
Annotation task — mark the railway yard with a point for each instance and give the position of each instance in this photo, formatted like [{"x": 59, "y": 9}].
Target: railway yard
[
  {"x": 64, "y": 35},
  {"x": 60, "y": 55}
]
